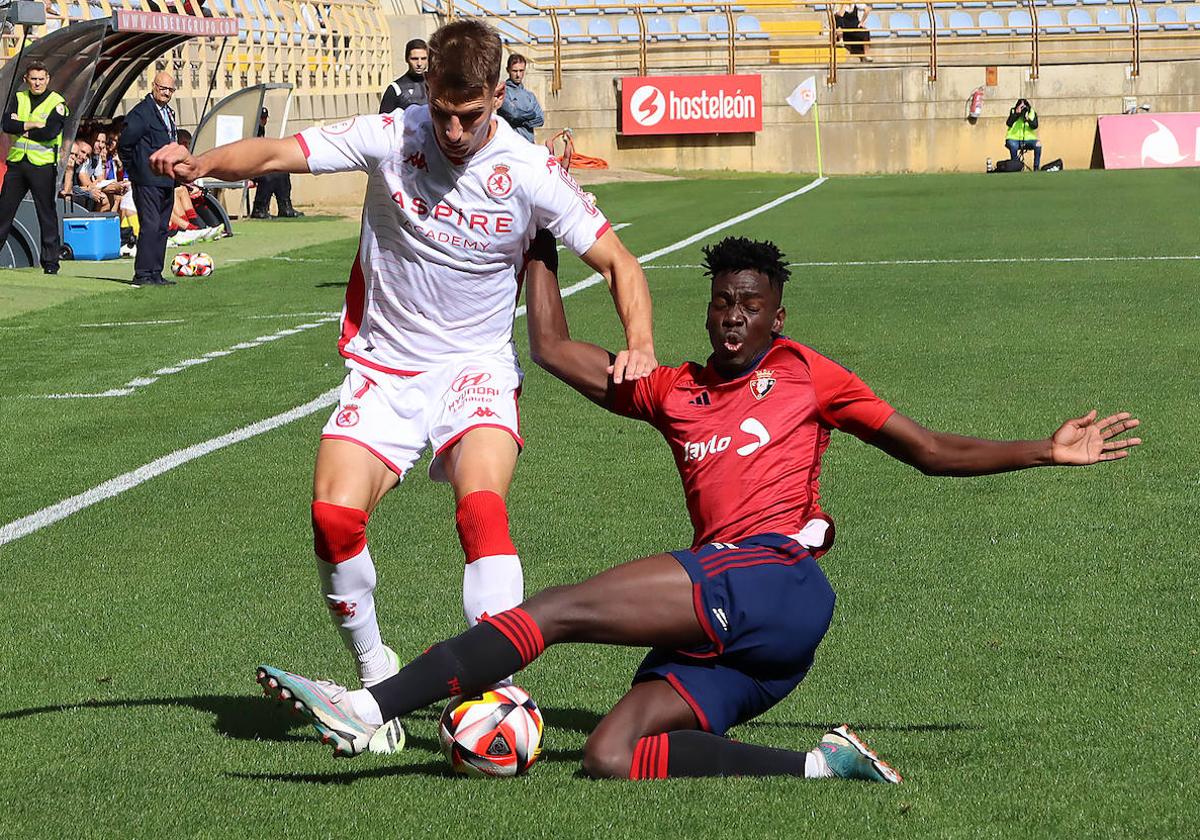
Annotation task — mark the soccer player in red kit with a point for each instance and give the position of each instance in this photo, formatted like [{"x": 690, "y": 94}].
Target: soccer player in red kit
[{"x": 734, "y": 621}]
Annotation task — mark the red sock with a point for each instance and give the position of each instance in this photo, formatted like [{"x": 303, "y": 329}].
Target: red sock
[
  {"x": 650, "y": 758},
  {"x": 482, "y": 521}
]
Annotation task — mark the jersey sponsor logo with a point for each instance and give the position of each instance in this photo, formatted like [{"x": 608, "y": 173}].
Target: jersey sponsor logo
[
  {"x": 484, "y": 411},
  {"x": 470, "y": 380},
  {"x": 751, "y": 426},
  {"x": 699, "y": 450},
  {"x": 500, "y": 183},
  {"x": 339, "y": 127},
  {"x": 347, "y": 416},
  {"x": 703, "y": 399},
  {"x": 470, "y": 221},
  {"x": 417, "y": 161},
  {"x": 762, "y": 383}
]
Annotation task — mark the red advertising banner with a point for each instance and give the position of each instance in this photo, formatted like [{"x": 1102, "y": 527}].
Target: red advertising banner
[
  {"x": 1150, "y": 141},
  {"x": 128, "y": 20},
  {"x": 691, "y": 104}
]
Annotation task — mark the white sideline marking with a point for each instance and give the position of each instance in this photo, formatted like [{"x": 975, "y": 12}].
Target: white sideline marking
[
  {"x": 969, "y": 261},
  {"x": 141, "y": 382},
  {"x": 115, "y": 486},
  {"x": 293, "y": 315},
  {"x": 134, "y": 323}
]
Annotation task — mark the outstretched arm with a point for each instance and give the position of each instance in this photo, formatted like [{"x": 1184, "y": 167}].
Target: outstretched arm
[
  {"x": 233, "y": 161},
  {"x": 1078, "y": 442},
  {"x": 627, "y": 282},
  {"x": 585, "y": 367}
]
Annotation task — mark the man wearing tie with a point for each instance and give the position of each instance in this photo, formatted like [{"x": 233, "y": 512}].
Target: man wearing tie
[{"x": 149, "y": 126}]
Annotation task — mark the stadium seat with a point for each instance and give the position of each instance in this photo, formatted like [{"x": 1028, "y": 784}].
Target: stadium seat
[
  {"x": 993, "y": 24},
  {"x": 912, "y": 5},
  {"x": 1169, "y": 19},
  {"x": 963, "y": 24},
  {"x": 1021, "y": 22},
  {"x": 496, "y": 7},
  {"x": 974, "y": 4},
  {"x": 923, "y": 23},
  {"x": 689, "y": 27},
  {"x": 1081, "y": 21},
  {"x": 1192, "y": 15},
  {"x": 628, "y": 28},
  {"x": 695, "y": 9},
  {"x": 1146, "y": 20},
  {"x": 661, "y": 30},
  {"x": 1009, "y": 4},
  {"x": 902, "y": 24},
  {"x": 1095, "y": 2},
  {"x": 1150, "y": 2},
  {"x": 883, "y": 7},
  {"x": 874, "y": 25},
  {"x": 581, "y": 7},
  {"x": 518, "y": 7},
  {"x": 748, "y": 27},
  {"x": 1110, "y": 20},
  {"x": 718, "y": 27},
  {"x": 541, "y": 30},
  {"x": 602, "y": 31},
  {"x": 1050, "y": 21},
  {"x": 945, "y": 5},
  {"x": 1063, "y": 2},
  {"x": 571, "y": 30}
]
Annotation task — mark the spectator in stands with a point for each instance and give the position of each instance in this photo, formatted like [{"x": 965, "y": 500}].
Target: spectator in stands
[
  {"x": 520, "y": 107},
  {"x": 149, "y": 127},
  {"x": 98, "y": 175},
  {"x": 278, "y": 184},
  {"x": 409, "y": 89},
  {"x": 81, "y": 150},
  {"x": 850, "y": 19},
  {"x": 1022, "y": 132}
]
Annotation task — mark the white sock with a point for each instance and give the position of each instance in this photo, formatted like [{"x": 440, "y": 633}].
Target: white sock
[
  {"x": 815, "y": 765},
  {"x": 364, "y": 705},
  {"x": 349, "y": 589},
  {"x": 492, "y": 585}
]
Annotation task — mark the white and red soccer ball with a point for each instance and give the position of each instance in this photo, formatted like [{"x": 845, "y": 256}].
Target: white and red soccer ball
[
  {"x": 497, "y": 733},
  {"x": 192, "y": 265}
]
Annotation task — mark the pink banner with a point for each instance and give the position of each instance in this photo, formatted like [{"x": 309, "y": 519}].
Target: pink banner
[
  {"x": 128, "y": 20},
  {"x": 1150, "y": 141}
]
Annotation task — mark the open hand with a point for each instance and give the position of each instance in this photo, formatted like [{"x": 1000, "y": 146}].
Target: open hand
[{"x": 1086, "y": 440}]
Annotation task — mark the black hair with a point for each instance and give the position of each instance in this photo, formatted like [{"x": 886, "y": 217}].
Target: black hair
[
  {"x": 36, "y": 65},
  {"x": 415, "y": 44},
  {"x": 736, "y": 253}
]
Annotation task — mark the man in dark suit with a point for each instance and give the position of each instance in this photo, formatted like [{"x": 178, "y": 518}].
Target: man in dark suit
[{"x": 149, "y": 126}]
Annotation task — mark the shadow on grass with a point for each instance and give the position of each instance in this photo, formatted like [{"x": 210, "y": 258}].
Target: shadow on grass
[
  {"x": 863, "y": 726},
  {"x": 341, "y": 285}
]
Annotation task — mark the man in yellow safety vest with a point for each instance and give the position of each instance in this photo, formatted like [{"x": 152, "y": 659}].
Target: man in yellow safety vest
[{"x": 34, "y": 119}]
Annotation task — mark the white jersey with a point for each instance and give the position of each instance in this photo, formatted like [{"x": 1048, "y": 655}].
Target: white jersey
[{"x": 443, "y": 244}]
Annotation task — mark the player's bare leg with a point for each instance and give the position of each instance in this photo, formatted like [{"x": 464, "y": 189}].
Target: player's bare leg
[
  {"x": 480, "y": 468},
  {"x": 649, "y": 708},
  {"x": 348, "y": 483}
]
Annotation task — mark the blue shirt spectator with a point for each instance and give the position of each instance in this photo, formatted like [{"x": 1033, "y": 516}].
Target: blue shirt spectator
[{"x": 520, "y": 108}]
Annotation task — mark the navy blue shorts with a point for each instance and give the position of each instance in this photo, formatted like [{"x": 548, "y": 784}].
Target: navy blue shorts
[{"x": 765, "y": 605}]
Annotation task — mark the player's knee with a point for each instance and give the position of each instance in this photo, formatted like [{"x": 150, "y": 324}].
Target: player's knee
[
  {"x": 553, "y": 610},
  {"x": 607, "y": 757},
  {"x": 482, "y": 521},
  {"x": 339, "y": 532}
]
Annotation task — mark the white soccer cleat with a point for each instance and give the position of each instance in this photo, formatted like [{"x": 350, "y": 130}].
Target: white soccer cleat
[
  {"x": 849, "y": 757},
  {"x": 326, "y": 705}
]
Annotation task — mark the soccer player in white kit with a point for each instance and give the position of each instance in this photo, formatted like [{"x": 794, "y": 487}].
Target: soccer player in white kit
[{"x": 453, "y": 200}]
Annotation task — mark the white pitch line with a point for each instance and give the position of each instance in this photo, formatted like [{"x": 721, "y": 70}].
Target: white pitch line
[
  {"x": 142, "y": 381},
  {"x": 115, "y": 486},
  {"x": 134, "y": 323},
  {"x": 966, "y": 261}
]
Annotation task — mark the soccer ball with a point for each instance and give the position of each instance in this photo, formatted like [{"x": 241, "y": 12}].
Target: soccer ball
[
  {"x": 202, "y": 265},
  {"x": 497, "y": 733},
  {"x": 181, "y": 266}
]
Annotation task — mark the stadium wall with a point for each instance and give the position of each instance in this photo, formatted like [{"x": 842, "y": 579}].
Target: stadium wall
[{"x": 879, "y": 119}]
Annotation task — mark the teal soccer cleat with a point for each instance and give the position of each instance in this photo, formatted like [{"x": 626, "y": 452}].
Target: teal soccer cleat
[
  {"x": 326, "y": 706},
  {"x": 849, "y": 757}
]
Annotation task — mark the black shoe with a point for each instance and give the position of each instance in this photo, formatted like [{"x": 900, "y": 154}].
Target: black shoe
[
  {"x": 287, "y": 211},
  {"x": 259, "y": 214},
  {"x": 152, "y": 281},
  {"x": 50, "y": 269}
]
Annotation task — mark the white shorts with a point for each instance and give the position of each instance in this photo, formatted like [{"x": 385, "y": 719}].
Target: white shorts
[{"x": 395, "y": 417}]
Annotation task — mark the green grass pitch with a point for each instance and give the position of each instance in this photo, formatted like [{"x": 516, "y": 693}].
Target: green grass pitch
[{"x": 1022, "y": 647}]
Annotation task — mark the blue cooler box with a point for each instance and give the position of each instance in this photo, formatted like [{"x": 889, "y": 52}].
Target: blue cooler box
[{"x": 93, "y": 237}]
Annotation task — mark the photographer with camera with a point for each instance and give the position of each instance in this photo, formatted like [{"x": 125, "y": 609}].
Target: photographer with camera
[{"x": 1022, "y": 132}]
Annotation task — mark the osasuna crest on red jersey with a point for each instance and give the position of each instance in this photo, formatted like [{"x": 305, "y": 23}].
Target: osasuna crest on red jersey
[
  {"x": 761, "y": 383},
  {"x": 500, "y": 183}
]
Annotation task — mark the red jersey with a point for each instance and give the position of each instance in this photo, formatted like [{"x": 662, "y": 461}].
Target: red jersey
[{"x": 749, "y": 449}]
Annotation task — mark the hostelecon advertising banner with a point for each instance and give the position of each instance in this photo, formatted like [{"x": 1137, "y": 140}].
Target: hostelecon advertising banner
[
  {"x": 1150, "y": 141},
  {"x": 691, "y": 104}
]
